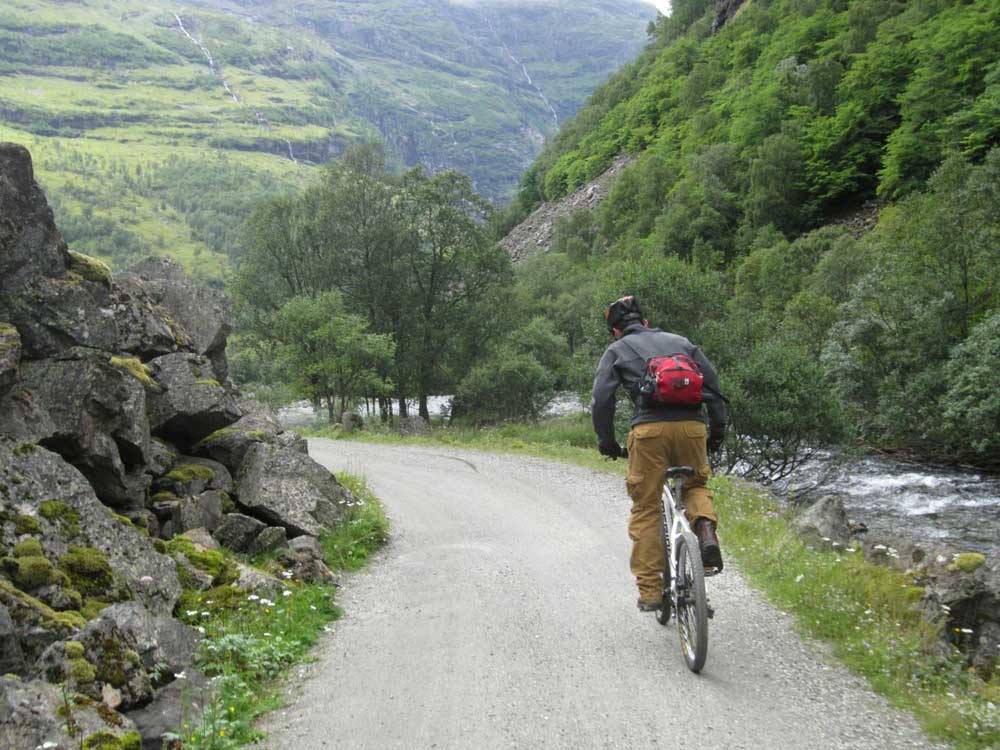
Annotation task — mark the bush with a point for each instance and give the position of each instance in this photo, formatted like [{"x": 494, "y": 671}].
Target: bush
[
  {"x": 971, "y": 408},
  {"x": 510, "y": 385}
]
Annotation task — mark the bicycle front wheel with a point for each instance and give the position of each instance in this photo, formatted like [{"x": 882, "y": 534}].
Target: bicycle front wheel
[{"x": 692, "y": 603}]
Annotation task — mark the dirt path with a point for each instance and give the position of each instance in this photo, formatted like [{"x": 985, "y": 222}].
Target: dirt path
[{"x": 502, "y": 615}]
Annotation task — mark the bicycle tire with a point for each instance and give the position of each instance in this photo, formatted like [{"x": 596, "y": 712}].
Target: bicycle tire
[{"x": 692, "y": 607}]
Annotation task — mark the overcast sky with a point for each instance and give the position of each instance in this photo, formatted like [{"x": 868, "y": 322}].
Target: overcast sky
[{"x": 663, "y": 5}]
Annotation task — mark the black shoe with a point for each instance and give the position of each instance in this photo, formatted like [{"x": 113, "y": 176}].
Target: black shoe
[
  {"x": 649, "y": 606},
  {"x": 711, "y": 554}
]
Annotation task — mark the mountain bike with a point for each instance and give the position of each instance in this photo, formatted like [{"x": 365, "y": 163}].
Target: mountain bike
[{"x": 684, "y": 575}]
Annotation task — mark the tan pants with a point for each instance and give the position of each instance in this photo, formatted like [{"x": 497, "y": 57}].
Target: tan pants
[{"x": 652, "y": 449}]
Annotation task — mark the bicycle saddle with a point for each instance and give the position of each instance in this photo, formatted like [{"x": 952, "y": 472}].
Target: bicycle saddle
[{"x": 678, "y": 471}]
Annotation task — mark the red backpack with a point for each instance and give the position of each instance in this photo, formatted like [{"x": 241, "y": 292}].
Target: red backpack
[{"x": 674, "y": 379}]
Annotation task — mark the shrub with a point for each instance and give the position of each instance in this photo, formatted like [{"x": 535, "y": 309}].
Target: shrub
[{"x": 510, "y": 385}]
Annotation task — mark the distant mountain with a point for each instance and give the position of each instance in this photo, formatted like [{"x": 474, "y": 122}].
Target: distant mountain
[{"x": 261, "y": 86}]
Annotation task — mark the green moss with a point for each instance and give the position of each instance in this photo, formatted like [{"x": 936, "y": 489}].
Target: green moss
[
  {"x": 136, "y": 368},
  {"x": 10, "y": 596},
  {"x": 108, "y": 715},
  {"x": 968, "y": 562},
  {"x": 88, "y": 570},
  {"x": 104, "y": 740},
  {"x": 227, "y": 432},
  {"x": 90, "y": 269},
  {"x": 132, "y": 658},
  {"x": 28, "y": 548},
  {"x": 74, "y": 596},
  {"x": 34, "y": 572},
  {"x": 190, "y": 472},
  {"x": 26, "y": 525},
  {"x": 228, "y": 506},
  {"x": 212, "y": 562},
  {"x": 92, "y": 608},
  {"x": 217, "y": 599},
  {"x": 80, "y": 670},
  {"x": 63, "y": 514},
  {"x": 25, "y": 449},
  {"x": 123, "y": 520},
  {"x": 165, "y": 497},
  {"x": 160, "y": 546},
  {"x": 73, "y": 649},
  {"x": 215, "y": 383}
]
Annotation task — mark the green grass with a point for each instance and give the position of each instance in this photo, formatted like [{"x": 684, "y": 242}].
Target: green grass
[
  {"x": 250, "y": 647},
  {"x": 865, "y": 612}
]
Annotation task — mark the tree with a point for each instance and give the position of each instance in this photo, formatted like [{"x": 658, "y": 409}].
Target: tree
[{"x": 328, "y": 353}]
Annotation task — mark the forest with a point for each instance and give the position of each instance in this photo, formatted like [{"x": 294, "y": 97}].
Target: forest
[{"x": 764, "y": 152}]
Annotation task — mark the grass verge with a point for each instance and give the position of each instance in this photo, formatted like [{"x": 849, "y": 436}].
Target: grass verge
[
  {"x": 864, "y": 611},
  {"x": 252, "y": 642}
]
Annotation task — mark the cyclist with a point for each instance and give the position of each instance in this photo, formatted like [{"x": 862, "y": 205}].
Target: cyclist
[{"x": 661, "y": 435}]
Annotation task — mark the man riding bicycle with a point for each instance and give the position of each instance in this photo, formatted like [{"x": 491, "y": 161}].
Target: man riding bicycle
[{"x": 665, "y": 432}]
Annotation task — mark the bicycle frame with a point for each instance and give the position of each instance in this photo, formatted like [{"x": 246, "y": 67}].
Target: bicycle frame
[{"x": 674, "y": 525}]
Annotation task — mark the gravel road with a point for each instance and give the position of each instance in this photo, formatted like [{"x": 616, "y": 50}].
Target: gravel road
[{"x": 502, "y": 615}]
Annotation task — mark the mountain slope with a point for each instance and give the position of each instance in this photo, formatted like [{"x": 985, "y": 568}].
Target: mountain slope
[{"x": 263, "y": 89}]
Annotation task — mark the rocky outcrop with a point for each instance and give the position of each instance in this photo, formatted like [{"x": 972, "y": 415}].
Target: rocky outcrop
[
  {"x": 202, "y": 313},
  {"x": 107, "y": 385},
  {"x": 725, "y": 11},
  {"x": 285, "y": 488},
  {"x": 36, "y": 714},
  {"x": 534, "y": 234},
  {"x": 824, "y": 523}
]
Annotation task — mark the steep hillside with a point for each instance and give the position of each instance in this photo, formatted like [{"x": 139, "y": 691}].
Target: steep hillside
[{"x": 155, "y": 123}]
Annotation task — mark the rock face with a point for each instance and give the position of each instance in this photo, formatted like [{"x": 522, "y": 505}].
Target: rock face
[
  {"x": 192, "y": 402},
  {"x": 824, "y": 523},
  {"x": 202, "y": 313},
  {"x": 285, "y": 488},
  {"x": 725, "y": 11},
  {"x": 10, "y": 356},
  {"x": 33, "y": 715},
  {"x": 534, "y": 234}
]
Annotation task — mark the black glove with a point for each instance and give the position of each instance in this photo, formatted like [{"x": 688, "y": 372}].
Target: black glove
[
  {"x": 612, "y": 450},
  {"x": 715, "y": 441}
]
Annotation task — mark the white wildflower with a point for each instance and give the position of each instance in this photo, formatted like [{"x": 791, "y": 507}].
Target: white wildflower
[
  {"x": 180, "y": 676},
  {"x": 287, "y": 574},
  {"x": 201, "y": 630},
  {"x": 192, "y": 612},
  {"x": 205, "y": 614},
  {"x": 286, "y": 592},
  {"x": 799, "y": 577},
  {"x": 252, "y": 598},
  {"x": 312, "y": 607},
  {"x": 880, "y": 546},
  {"x": 967, "y": 631}
]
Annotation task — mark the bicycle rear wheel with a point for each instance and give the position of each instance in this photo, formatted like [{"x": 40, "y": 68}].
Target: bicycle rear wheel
[{"x": 692, "y": 603}]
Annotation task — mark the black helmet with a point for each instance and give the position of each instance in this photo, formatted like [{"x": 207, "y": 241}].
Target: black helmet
[{"x": 622, "y": 312}]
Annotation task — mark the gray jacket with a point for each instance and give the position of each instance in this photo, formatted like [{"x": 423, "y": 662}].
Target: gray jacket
[{"x": 623, "y": 363}]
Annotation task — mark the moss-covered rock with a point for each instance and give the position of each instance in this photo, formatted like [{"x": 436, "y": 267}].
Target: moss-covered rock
[
  {"x": 28, "y": 548},
  {"x": 91, "y": 608},
  {"x": 80, "y": 670},
  {"x": 212, "y": 562},
  {"x": 73, "y": 649},
  {"x": 33, "y": 572},
  {"x": 967, "y": 562},
  {"x": 26, "y": 525},
  {"x": 63, "y": 515},
  {"x": 89, "y": 269},
  {"x": 190, "y": 472},
  {"x": 88, "y": 569},
  {"x": 134, "y": 367},
  {"x": 110, "y": 741}
]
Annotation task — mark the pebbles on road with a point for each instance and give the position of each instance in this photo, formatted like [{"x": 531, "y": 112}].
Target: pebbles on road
[{"x": 502, "y": 615}]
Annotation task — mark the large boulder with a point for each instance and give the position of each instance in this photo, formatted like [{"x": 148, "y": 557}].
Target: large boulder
[
  {"x": 824, "y": 523},
  {"x": 202, "y": 511},
  {"x": 285, "y": 488},
  {"x": 11, "y": 658},
  {"x": 98, "y": 416},
  {"x": 229, "y": 445},
  {"x": 190, "y": 475},
  {"x": 192, "y": 403},
  {"x": 238, "y": 532},
  {"x": 164, "y": 644},
  {"x": 43, "y": 493},
  {"x": 10, "y": 356},
  {"x": 36, "y": 715},
  {"x": 179, "y": 703},
  {"x": 202, "y": 313}
]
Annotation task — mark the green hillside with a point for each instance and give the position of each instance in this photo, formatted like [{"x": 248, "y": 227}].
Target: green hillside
[
  {"x": 155, "y": 124},
  {"x": 765, "y": 151}
]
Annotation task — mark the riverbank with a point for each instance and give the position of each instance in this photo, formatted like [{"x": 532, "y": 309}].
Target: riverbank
[{"x": 865, "y": 612}]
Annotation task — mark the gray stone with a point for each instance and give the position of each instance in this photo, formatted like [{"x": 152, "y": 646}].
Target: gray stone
[
  {"x": 230, "y": 444},
  {"x": 824, "y": 523},
  {"x": 201, "y": 538},
  {"x": 165, "y": 644},
  {"x": 192, "y": 403},
  {"x": 162, "y": 456},
  {"x": 29, "y": 478},
  {"x": 203, "y": 511},
  {"x": 10, "y": 356},
  {"x": 257, "y": 582},
  {"x": 187, "y": 477},
  {"x": 306, "y": 545},
  {"x": 181, "y": 702},
  {"x": 99, "y": 424},
  {"x": 32, "y": 714},
  {"x": 270, "y": 539},
  {"x": 351, "y": 421},
  {"x": 11, "y": 659},
  {"x": 292, "y": 441},
  {"x": 238, "y": 532},
  {"x": 58, "y": 598},
  {"x": 201, "y": 312},
  {"x": 197, "y": 579},
  {"x": 414, "y": 426},
  {"x": 286, "y": 488}
]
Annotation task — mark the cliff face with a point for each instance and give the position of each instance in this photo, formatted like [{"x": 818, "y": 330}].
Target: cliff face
[{"x": 118, "y": 433}]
